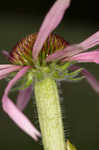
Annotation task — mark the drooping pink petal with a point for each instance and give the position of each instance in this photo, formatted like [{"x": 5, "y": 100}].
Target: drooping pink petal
[
  {"x": 17, "y": 77},
  {"x": 89, "y": 77},
  {"x": 19, "y": 118},
  {"x": 90, "y": 42},
  {"x": 92, "y": 56},
  {"x": 51, "y": 21},
  {"x": 6, "y": 71},
  {"x": 91, "y": 80},
  {"x": 23, "y": 98},
  {"x": 5, "y": 53},
  {"x": 13, "y": 112}
]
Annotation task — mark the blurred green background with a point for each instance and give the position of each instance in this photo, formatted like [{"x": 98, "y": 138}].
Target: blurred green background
[{"x": 80, "y": 102}]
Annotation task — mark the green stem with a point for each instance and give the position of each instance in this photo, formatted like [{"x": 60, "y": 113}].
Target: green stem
[{"x": 49, "y": 113}]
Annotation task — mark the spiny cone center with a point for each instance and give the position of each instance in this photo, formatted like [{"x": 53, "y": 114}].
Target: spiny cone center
[{"x": 21, "y": 54}]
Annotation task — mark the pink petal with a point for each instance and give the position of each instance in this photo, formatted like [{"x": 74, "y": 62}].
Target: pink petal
[
  {"x": 87, "y": 57},
  {"x": 19, "y": 118},
  {"x": 51, "y": 21},
  {"x": 17, "y": 77},
  {"x": 4, "y": 76},
  {"x": 91, "y": 80},
  {"x": 66, "y": 52},
  {"x": 5, "y": 53},
  {"x": 75, "y": 49},
  {"x": 23, "y": 98},
  {"x": 14, "y": 113},
  {"x": 89, "y": 77},
  {"x": 5, "y": 66},
  {"x": 55, "y": 56},
  {"x": 6, "y": 71},
  {"x": 90, "y": 42}
]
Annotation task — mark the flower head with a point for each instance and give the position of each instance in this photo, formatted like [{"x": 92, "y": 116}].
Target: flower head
[{"x": 42, "y": 54}]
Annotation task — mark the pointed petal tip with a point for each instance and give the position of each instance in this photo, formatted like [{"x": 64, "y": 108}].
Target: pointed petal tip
[
  {"x": 19, "y": 118},
  {"x": 91, "y": 80},
  {"x": 5, "y": 53},
  {"x": 51, "y": 21},
  {"x": 92, "y": 56},
  {"x": 89, "y": 77}
]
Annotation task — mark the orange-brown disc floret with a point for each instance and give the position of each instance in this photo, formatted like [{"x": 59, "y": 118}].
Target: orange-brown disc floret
[{"x": 21, "y": 54}]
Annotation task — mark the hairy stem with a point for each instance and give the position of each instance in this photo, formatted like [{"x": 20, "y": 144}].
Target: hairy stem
[{"x": 49, "y": 113}]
